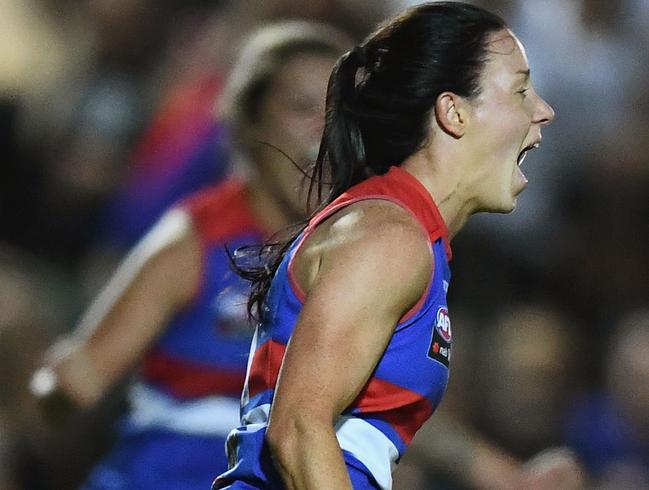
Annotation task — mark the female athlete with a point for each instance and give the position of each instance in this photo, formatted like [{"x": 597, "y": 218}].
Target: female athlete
[{"x": 427, "y": 123}]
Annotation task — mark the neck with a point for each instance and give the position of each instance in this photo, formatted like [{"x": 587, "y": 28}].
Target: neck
[{"x": 443, "y": 184}]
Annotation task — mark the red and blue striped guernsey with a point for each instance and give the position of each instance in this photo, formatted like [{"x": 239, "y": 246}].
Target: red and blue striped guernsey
[
  {"x": 409, "y": 380},
  {"x": 186, "y": 398}
]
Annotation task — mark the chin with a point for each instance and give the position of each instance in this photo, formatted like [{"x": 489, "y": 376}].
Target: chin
[
  {"x": 499, "y": 208},
  {"x": 505, "y": 205},
  {"x": 511, "y": 207},
  {"x": 502, "y": 202},
  {"x": 506, "y": 209},
  {"x": 510, "y": 204}
]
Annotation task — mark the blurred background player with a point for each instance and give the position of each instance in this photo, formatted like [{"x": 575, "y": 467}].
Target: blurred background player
[{"x": 172, "y": 305}]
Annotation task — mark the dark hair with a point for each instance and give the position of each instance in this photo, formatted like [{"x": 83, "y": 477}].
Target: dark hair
[{"x": 379, "y": 101}]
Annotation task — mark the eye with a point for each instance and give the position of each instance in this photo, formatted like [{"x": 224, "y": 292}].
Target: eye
[{"x": 523, "y": 92}]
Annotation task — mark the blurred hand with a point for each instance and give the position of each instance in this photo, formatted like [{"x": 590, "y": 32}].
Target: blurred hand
[
  {"x": 65, "y": 383},
  {"x": 493, "y": 469},
  {"x": 553, "y": 469},
  {"x": 54, "y": 405}
]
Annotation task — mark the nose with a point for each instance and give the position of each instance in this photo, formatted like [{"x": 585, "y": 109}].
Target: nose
[{"x": 544, "y": 113}]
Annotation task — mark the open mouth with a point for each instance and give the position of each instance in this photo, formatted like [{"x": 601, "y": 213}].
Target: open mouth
[{"x": 523, "y": 153}]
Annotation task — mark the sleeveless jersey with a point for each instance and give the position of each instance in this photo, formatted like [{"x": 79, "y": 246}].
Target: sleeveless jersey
[
  {"x": 407, "y": 384},
  {"x": 192, "y": 378}
]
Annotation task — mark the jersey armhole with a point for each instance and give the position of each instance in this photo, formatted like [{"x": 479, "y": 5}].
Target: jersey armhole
[{"x": 412, "y": 312}]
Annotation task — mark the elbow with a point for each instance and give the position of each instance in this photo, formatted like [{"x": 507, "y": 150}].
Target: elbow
[
  {"x": 282, "y": 440},
  {"x": 287, "y": 437}
]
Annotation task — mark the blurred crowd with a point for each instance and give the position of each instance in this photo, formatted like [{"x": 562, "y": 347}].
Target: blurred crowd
[{"x": 108, "y": 116}]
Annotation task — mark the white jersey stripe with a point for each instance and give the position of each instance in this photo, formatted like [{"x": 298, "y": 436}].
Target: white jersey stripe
[
  {"x": 214, "y": 415},
  {"x": 245, "y": 394},
  {"x": 370, "y": 446}
]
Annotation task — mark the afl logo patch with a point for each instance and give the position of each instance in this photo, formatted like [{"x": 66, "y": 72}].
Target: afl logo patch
[
  {"x": 440, "y": 343},
  {"x": 443, "y": 324}
]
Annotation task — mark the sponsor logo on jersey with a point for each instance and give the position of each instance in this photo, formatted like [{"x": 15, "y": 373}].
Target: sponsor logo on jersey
[
  {"x": 443, "y": 324},
  {"x": 440, "y": 343}
]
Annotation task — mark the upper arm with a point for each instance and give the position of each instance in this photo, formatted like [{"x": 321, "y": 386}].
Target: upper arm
[
  {"x": 155, "y": 280},
  {"x": 374, "y": 272}
]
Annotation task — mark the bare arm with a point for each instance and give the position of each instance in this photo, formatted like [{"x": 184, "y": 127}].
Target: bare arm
[
  {"x": 375, "y": 265},
  {"x": 446, "y": 445},
  {"x": 452, "y": 447},
  {"x": 155, "y": 280}
]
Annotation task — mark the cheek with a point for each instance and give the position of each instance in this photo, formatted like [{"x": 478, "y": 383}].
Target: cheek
[
  {"x": 507, "y": 132},
  {"x": 290, "y": 131},
  {"x": 275, "y": 124},
  {"x": 304, "y": 127},
  {"x": 503, "y": 121}
]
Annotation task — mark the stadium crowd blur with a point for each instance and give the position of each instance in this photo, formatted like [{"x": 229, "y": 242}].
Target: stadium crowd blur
[{"x": 107, "y": 118}]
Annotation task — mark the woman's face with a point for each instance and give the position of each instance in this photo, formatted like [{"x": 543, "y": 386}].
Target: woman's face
[
  {"x": 506, "y": 120},
  {"x": 291, "y": 118}
]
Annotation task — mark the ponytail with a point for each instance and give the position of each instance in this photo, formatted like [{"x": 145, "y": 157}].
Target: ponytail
[{"x": 342, "y": 151}]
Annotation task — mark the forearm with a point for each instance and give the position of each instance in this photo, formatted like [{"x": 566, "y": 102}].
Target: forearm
[
  {"x": 69, "y": 375},
  {"x": 112, "y": 338},
  {"x": 157, "y": 279},
  {"x": 309, "y": 457},
  {"x": 447, "y": 445}
]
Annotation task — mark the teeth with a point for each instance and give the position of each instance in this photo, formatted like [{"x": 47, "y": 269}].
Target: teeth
[
  {"x": 521, "y": 157},
  {"x": 523, "y": 153}
]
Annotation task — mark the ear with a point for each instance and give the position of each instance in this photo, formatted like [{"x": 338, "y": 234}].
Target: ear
[{"x": 451, "y": 114}]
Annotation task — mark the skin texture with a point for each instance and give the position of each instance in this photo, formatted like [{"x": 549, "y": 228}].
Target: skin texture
[{"x": 468, "y": 165}]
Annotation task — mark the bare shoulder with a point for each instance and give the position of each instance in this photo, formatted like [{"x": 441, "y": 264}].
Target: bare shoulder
[
  {"x": 379, "y": 229},
  {"x": 379, "y": 220},
  {"x": 174, "y": 229},
  {"x": 378, "y": 242},
  {"x": 171, "y": 249}
]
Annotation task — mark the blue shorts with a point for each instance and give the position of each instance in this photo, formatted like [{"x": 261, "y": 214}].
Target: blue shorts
[
  {"x": 360, "y": 481},
  {"x": 160, "y": 460}
]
